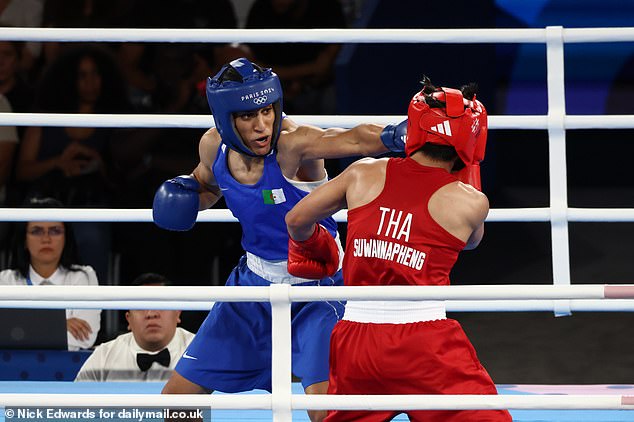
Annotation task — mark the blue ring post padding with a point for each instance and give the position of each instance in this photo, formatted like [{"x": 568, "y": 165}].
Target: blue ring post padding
[{"x": 41, "y": 365}]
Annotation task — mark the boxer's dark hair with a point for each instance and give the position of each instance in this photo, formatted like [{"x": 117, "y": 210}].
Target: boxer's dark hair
[
  {"x": 469, "y": 91},
  {"x": 439, "y": 152}
]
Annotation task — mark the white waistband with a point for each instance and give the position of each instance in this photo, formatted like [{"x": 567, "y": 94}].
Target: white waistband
[
  {"x": 394, "y": 312},
  {"x": 277, "y": 271}
]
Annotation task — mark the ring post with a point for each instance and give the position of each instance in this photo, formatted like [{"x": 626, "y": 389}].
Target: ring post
[
  {"x": 557, "y": 161},
  {"x": 281, "y": 352}
]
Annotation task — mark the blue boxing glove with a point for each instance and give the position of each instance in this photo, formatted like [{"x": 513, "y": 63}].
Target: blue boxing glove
[
  {"x": 393, "y": 136},
  {"x": 176, "y": 203}
]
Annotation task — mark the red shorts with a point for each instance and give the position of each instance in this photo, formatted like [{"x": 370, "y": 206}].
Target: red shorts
[{"x": 432, "y": 357}]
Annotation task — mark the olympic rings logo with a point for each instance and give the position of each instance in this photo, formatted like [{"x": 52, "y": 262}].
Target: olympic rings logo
[{"x": 260, "y": 100}]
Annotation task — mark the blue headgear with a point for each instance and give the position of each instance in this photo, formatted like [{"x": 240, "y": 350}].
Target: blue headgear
[{"x": 258, "y": 88}]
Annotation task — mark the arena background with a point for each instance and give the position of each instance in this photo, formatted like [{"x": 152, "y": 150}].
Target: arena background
[
  {"x": 379, "y": 79},
  {"x": 526, "y": 347}
]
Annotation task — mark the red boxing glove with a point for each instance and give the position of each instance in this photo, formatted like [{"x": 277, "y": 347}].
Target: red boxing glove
[
  {"x": 314, "y": 258},
  {"x": 471, "y": 176},
  {"x": 471, "y": 173},
  {"x": 481, "y": 139}
]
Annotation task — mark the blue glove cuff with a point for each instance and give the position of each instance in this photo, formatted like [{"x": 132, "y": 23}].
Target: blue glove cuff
[
  {"x": 188, "y": 182},
  {"x": 393, "y": 137}
]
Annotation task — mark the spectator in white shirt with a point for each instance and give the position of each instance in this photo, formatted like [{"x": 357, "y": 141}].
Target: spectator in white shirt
[
  {"x": 44, "y": 252},
  {"x": 148, "y": 352}
]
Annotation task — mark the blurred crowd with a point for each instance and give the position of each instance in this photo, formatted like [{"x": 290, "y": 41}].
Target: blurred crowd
[{"x": 92, "y": 167}]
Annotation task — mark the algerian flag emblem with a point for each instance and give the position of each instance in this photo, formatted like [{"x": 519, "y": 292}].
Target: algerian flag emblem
[{"x": 273, "y": 196}]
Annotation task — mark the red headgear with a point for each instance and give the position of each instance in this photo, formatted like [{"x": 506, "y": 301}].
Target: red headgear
[{"x": 461, "y": 124}]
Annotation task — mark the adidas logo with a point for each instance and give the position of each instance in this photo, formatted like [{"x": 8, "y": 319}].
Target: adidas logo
[{"x": 442, "y": 128}]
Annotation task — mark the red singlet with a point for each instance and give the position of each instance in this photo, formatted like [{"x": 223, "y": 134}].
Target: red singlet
[{"x": 394, "y": 241}]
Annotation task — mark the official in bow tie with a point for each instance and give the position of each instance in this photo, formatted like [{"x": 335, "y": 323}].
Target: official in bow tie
[
  {"x": 154, "y": 337},
  {"x": 145, "y": 360}
]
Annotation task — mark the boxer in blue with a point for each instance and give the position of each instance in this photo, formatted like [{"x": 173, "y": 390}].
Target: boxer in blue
[{"x": 263, "y": 164}]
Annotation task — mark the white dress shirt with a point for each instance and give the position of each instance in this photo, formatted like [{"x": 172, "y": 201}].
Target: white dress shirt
[
  {"x": 63, "y": 277},
  {"x": 116, "y": 360}
]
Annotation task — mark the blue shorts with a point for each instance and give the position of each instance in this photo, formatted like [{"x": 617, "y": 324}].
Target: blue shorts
[{"x": 232, "y": 349}]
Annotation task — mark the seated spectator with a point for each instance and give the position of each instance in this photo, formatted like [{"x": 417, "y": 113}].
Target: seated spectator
[
  {"x": 19, "y": 94},
  {"x": 13, "y": 85},
  {"x": 135, "y": 60},
  {"x": 150, "y": 350},
  {"x": 163, "y": 77},
  {"x": 305, "y": 69},
  {"x": 8, "y": 142},
  {"x": 44, "y": 252},
  {"x": 20, "y": 14},
  {"x": 70, "y": 14},
  {"x": 72, "y": 163}
]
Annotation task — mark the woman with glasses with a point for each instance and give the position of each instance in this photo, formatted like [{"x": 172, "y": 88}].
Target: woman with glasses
[{"x": 44, "y": 252}]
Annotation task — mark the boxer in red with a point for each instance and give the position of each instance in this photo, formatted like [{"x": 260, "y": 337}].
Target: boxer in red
[{"x": 408, "y": 219}]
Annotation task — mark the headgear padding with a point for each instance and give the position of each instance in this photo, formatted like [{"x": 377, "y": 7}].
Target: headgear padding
[
  {"x": 461, "y": 124},
  {"x": 257, "y": 88}
]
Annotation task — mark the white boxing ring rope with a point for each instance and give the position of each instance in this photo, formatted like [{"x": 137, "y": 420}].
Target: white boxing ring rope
[
  {"x": 282, "y": 402},
  {"x": 506, "y": 298},
  {"x": 177, "y": 294},
  {"x": 474, "y": 298},
  {"x": 181, "y": 121},
  {"x": 327, "y": 402},
  {"x": 357, "y": 36},
  {"x": 562, "y": 296},
  {"x": 605, "y": 215}
]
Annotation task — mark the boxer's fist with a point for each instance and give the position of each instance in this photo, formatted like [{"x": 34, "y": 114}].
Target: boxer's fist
[
  {"x": 481, "y": 140},
  {"x": 471, "y": 173},
  {"x": 175, "y": 204},
  {"x": 394, "y": 136},
  {"x": 314, "y": 258}
]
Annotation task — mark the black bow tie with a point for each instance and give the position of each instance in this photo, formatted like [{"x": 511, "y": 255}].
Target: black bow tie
[{"x": 145, "y": 360}]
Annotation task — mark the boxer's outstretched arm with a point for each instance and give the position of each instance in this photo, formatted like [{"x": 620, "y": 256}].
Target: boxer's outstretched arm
[
  {"x": 312, "y": 251},
  {"x": 313, "y": 143},
  {"x": 324, "y": 201}
]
